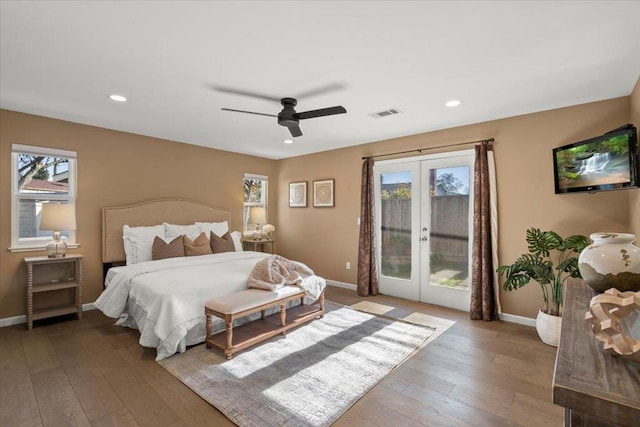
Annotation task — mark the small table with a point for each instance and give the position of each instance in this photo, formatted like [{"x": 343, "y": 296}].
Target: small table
[
  {"x": 46, "y": 274},
  {"x": 595, "y": 388},
  {"x": 261, "y": 242}
]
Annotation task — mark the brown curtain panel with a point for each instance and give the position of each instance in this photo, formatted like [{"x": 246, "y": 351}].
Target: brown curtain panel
[
  {"x": 367, "y": 269},
  {"x": 483, "y": 298}
]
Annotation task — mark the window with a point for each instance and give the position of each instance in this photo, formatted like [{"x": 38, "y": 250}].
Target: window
[
  {"x": 39, "y": 175},
  {"x": 255, "y": 201}
]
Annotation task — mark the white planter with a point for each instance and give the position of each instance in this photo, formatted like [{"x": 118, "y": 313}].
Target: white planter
[
  {"x": 548, "y": 328},
  {"x": 611, "y": 261}
]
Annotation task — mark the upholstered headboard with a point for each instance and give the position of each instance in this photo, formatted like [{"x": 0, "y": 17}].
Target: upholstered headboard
[{"x": 153, "y": 212}]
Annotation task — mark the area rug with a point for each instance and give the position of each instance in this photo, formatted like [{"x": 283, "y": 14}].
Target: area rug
[{"x": 309, "y": 377}]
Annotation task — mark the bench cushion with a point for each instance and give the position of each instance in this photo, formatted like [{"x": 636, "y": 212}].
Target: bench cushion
[{"x": 248, "y": 299}]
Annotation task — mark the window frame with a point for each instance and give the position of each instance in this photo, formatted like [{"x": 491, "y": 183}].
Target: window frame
[
  {"x": 264, "y": 202},
  {"x": 38, "y": 243}
]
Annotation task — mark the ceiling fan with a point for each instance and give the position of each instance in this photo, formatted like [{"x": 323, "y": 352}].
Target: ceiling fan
[{"x": 289, "y": 117}]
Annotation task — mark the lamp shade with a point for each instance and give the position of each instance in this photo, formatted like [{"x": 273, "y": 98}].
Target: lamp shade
[
  {"x": 257, "y": 215},
  {"x": 57, "y": 216}
]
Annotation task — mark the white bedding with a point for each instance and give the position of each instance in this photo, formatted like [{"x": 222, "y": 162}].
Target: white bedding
[{"x": 165, "y": 299}]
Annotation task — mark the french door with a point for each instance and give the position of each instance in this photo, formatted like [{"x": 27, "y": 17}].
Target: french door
[{"x": 423, "y": 217}]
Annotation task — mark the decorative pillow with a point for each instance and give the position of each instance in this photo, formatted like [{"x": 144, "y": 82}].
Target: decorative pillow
[
  {"x": 138, "y": 242},
  {"x": 199, "y": 246},
  {"x": 222, "y": 244},
  {"x": 172, "y": 231},
  {"x": 218, "y": 228},
  {"x": 236, "y": 236},
  {"x": 162, "y": 249}
]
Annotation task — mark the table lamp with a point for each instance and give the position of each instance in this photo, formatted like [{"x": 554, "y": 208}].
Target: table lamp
[
  {"x": 56, "y": 217},
  {"x": 258, "y": 216}
]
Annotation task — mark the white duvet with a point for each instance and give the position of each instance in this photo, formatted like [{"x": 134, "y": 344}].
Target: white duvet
[{"x": 165, "y": 299}]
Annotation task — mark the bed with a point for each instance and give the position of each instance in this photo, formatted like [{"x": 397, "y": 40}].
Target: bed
[{"x": 165, "y": 299}]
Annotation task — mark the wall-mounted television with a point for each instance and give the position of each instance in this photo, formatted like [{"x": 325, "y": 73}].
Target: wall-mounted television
[{"x": 606, "y": 162}]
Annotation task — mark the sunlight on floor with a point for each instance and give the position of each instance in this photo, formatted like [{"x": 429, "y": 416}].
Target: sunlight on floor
[
  {"x": 415, "y": 317},
  {"x": 425, "y": 319},
  {"x": 372, "y": 307}
]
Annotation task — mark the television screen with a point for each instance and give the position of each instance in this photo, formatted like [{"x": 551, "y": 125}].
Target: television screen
[{"x": 607, "y": 162}]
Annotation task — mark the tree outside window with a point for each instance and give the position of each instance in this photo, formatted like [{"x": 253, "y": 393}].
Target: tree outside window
[
  {"x": 39, "y": 176},
  {"x": 255, "y": 195}
]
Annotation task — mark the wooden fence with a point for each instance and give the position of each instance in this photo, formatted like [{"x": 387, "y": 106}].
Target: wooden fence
[{"x": 449, "y": 227}]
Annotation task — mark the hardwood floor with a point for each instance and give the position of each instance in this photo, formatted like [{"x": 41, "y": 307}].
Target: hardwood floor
[{"x": 88, "y": 372}]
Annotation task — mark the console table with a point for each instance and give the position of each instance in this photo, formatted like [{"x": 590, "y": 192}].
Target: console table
[{"x": 595, "y": 388}]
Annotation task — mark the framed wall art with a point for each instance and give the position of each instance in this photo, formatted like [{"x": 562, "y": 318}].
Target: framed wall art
[
  {"x": 298, "y": 194},
  {"x": 323, "y": 193}
]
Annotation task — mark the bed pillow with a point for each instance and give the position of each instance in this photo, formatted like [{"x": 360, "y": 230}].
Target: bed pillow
[
  {"x": 199, "y": 246},
  {"x": 236, "y": 236},
  {"x": 172, "y": 231},
  {"x": 218, "y": 228},
  {"x": 161, "y": 249},
  {"x": 138, "y": 242},
  {"x": 139, "y": 250},
  {"x": 222, "y": 244}
]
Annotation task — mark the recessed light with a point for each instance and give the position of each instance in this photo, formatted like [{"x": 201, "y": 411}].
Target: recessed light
[
  {"x": 118, "y": 98},
  {"x": 452, "y": 103},
  {"x": 288, "y": 141}
]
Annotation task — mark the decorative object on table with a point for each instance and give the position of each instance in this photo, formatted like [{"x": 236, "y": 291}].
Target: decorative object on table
[
  {"x": 323, "y": 193},
  {"x": 615, "y": 321},
  {"x": 538, "y": 265},
  {"x": 257, "y": 216},
  {"x": 57, "y": 217},
  {"x": 298, "y": 194},
  {"x": 611, "y": 261},
  {"x": 267, "y": 230}
]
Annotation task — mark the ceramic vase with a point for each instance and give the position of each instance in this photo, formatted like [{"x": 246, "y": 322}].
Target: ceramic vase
[
  {"x": 611, "y": 261},
  {"x": 548, "y": 328}
]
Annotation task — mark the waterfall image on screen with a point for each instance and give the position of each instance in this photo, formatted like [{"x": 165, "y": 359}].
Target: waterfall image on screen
[
  {"x": 599, "y": 164},
  {"x": 594, "y": 164}
]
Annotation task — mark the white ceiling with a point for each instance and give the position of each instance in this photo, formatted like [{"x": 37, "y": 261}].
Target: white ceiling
[{"x": 62, "y": 60}]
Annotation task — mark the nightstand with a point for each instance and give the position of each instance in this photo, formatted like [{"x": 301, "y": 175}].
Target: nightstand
[
  {"x": 255, "y": 242},
  {"x": 46, "y": 275}
]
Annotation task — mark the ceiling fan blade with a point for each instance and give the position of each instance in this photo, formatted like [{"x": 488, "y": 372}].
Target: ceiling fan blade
[
  {"x": 295, "y": 131},
  {"x": 245, "y": 93},
  {"x": 248, "y": 112},
  {"x": 322, "y": 112},
  {"x": 321, "y": 90}
]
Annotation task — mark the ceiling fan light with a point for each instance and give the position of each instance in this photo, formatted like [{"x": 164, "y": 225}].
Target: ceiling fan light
[
  {"x": 452, "y": 103},
  {"x": 118, "y": 98}
]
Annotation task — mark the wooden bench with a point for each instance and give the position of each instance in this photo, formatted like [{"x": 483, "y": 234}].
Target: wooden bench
[{"x": 243, "y": 303}]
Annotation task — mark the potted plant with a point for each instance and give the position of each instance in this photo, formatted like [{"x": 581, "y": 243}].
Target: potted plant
[{"x": 545, "y": 247}]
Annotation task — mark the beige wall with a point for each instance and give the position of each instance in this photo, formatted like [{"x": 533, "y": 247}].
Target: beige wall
[
  {"x": 327, "y": 238},
  {"x": 115, "y": 168},
  {"x": 634, "y": 195}
]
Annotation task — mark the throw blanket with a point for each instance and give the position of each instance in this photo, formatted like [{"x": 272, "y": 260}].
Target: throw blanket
[{"x": 274, "y": 272}]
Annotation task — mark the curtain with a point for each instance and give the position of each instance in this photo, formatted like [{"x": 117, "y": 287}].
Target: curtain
[
  {"x": 485, "y": 304},
  {"x": 367, "y": 268}
]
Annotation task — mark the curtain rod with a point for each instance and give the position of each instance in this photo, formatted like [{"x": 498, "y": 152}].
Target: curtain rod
[{"x": 420, "y": 150}]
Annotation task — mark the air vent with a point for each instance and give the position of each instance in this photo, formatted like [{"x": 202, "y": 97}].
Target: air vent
[{"x": 385, "y": 113}]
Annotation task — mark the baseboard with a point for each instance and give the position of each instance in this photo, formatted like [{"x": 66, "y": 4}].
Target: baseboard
[
  {"x": 512, "y": 318},
  {"x": 521, "y": 320},
  {"x": 341, "y": 285},
  {"x": 16, "y": 320}
]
